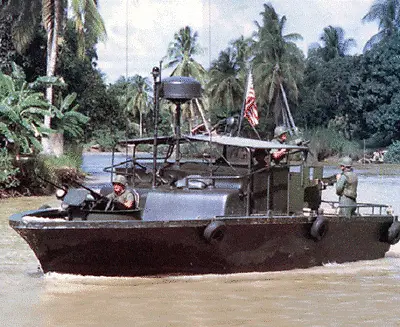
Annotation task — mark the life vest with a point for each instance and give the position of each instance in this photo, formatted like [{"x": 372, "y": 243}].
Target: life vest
[{"x": 350, "y": 188}]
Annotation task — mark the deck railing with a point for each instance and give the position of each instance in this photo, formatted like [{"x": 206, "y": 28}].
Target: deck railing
[{"x": 363, "y": 208}]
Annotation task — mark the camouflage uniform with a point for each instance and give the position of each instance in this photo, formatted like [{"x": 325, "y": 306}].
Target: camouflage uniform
[{"x": 346, "y": 189}]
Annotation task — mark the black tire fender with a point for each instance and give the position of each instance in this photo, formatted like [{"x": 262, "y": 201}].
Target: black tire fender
[
  {"x": 215, "y": 231},
  {"x": 393, "y": 233},
  {"x": 319, "y": 228}
]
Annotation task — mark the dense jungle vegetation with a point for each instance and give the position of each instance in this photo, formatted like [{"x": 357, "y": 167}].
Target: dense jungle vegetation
[{"x": 54, "y": 99}]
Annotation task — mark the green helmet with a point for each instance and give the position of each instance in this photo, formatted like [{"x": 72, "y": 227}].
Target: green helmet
[
  {"x": 346, "y": 161},
  {"x": 119, "y": 179},
  {"x": 279, "y": 130}
]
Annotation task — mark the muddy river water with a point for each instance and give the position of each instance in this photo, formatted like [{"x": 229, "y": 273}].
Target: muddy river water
[{"x": 365, "y": 293}]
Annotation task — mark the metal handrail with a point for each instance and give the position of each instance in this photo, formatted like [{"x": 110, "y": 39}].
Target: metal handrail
[{"x": 373, "y": 206}]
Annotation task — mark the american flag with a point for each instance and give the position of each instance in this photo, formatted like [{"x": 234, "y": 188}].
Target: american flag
[{"x": 250, "y": 107}]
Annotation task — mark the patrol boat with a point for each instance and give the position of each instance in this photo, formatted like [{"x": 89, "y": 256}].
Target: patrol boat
[{"x": 214, "y": 214}]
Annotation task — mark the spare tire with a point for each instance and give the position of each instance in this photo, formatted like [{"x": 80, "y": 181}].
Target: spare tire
[
  {"x": 215, "y": 231},
  {"x": 393, "y": 234},
  {"x": 319, "y": 228}
]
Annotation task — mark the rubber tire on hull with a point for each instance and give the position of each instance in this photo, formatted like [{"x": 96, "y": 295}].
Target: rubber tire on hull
[
  {"x": 393, "y": 235},
  {"x": 215, "y": 231},
  {"x": 319, "y": 228}
]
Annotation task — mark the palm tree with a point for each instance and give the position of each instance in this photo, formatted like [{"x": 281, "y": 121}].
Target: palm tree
[
  {"x": 88, "y": 24},
  {"x": 278, "y": 63},
  {"x": 138, "y": 100},
  {"x": 387, "y": 13},
  {"x": 26, "y": 17},
  {"x": 180, "y": 55},
  {"x": 225, "y": 87},
  {"x": 334, "y": 43}
]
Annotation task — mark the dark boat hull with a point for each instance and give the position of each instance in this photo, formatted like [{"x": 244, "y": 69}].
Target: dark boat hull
[{"x": 139, "y": 248}]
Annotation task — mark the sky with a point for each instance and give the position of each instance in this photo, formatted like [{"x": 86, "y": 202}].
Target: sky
[{"x": 139, "y": 31}]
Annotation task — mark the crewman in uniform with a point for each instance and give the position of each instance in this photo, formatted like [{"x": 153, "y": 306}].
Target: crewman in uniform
[
  {"x": 346, "y": 187},
  {"x": 127, "y": 198},
  {"x": 280, "y": 137}
]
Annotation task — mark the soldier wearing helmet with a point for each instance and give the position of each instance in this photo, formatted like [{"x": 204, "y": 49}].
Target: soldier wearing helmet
[
  {"x": 128, "y": 198},
  {"x": 346, "y": 187},
  {"x": 280, "y": 137}
]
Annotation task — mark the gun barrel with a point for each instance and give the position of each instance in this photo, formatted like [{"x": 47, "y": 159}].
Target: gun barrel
[
  {"x": 330, "y": 180},
  {"x": 92, "y": 192},
  {"x": 51, "y": 183}
]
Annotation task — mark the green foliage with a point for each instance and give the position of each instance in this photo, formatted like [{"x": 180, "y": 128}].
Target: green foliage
[
  {"x": 22, "y": 113},
  {"x": 135, "y": 101},
  {"x": 58, "y": 170},
  {"x": 70, "y": 160},
  {"x": 181, "y": 52},
  {"x": 68, "y": 120},
  {"x": 328, "y": 95},
  {"x": 328, "y": 142},
  {"x": 106, "y": 138},
  {"x": 393, "y": 153},
  {"x": 334, "y": 43},
  {"x": 377, "y": 101},
  {"x": 278, "y": 63},
  {"x": 226, "y": 87},
  {"x": 8, "y": 173},
  {"x": 386, "y": 12}
]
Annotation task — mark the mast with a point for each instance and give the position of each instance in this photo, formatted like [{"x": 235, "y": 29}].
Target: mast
[{"x": 156, "y": 72}]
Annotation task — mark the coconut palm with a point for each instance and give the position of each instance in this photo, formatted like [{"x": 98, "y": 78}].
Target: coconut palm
[
  {"x": 334, "y": 43},
  {"x": 278, "y": 63},
  {"x": 89, "y": 25},
  {"x": 180, "y": 55},
  {"x": 26, "y": 17},
  {"x": 387, "y": 13},
  {"x": 242, "y": 49},
  {"x": 181, "y": 52},
  {"x": 138, "y": 99},
  {"x": 225, "y": 87}
]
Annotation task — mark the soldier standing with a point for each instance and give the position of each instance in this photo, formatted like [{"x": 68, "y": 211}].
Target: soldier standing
[{"x": 346, "y": 187}]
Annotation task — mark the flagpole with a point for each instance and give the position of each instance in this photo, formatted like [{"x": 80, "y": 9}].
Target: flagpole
[
  {"x": 258, "y": 135},
  {"x": 243, "y": 104}
]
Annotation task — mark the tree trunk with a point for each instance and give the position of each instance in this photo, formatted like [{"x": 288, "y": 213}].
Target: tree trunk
[
  {"x": 53, "y": 30},
  {"x": 140, "y": 124},
  {"x": 57, "y": 142}
]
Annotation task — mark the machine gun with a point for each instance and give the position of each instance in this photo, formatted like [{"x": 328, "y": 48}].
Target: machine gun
[
  {"x": 328, "y": 181},
  {"x": 107, "y": 203},
  {"x": 97, "y": 196},
  {"x": 301, "y": 142},
  {"x": 62, "y": 190}
]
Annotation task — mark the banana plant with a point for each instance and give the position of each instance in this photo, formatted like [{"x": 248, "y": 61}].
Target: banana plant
[
  {"x": 22, "y": 111},
  {"x": 67, "y": 120}
]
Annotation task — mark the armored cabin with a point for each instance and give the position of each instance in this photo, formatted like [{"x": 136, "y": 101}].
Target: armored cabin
[
  {"x": 223, "y": 180},
  {"x": 210, "y": 186}
]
